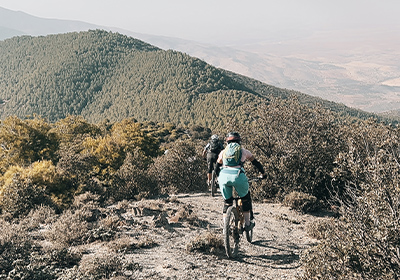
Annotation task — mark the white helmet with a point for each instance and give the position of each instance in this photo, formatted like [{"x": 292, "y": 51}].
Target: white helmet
[{"x": 214, "y": 137}]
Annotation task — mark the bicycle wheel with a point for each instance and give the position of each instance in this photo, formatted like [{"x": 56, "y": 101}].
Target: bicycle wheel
[
  {"x": 231, "y": 232},
  {"x": 213, "y": 183}
]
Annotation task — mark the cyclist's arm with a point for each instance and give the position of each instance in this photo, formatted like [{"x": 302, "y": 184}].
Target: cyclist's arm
[
  {"x": 217, "y": 168},
  {"x": 205, "y": 150},
  {"x": 218, "y": 164},
  {"x": 258, "y": 165}
]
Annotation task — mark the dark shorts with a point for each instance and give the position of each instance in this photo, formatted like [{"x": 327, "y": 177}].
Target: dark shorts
[{"x": 211, "y": 159}]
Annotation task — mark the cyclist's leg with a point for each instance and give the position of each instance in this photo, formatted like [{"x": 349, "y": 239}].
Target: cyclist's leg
[
  {"x": 242, "y": 188},
  {"x": 226, "y": 188},
  {"x": 210, "y": 166}
]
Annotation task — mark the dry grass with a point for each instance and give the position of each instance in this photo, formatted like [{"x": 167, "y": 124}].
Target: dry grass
[{"x": 207, "y": 242}]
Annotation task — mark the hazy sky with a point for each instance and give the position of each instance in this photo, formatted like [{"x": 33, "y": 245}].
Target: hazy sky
[{"x": 206, "y": 20}]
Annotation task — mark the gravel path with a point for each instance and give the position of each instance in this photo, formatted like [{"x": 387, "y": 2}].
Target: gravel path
[{"x": 278, "y": 241}]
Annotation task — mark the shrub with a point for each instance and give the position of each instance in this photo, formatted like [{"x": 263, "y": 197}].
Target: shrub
[
  {"x": 133, "y": 180},
  {"x": 16, "y": 246},
  {"x": 40, "y": 215},
  {"x": 77, "y": 170},
  {"x": 104, "y": 266},
  {"x": 365, "y": 242},
  {"x": 302, "y": 202},
  {"x": 207, "y": 242},
  {"x": 20, "y": 196},
  {"x": 70, "y": 228},
  {"x": 320, "y": 229},
  {"x": 38, "y": 184},
  {"x": 25, "y": 141},
  {"x": 297, "y": 144},
  {"x": 128, "y": 244},
  {"x": 180, "y": 169}
]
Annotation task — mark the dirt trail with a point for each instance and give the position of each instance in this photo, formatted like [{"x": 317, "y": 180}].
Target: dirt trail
[{"x": 279, "y": 239}]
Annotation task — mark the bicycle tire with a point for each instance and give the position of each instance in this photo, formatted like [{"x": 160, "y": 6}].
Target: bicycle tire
[
  {"x": 231, "y": 232},
  {"x": 213, "y": 183}
]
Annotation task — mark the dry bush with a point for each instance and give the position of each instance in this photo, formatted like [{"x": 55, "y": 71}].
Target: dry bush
[
  {"x": 41, "y": 215},
  {"x": 127, "y": 244},
  {"x": 30, "y": 271},
  {"x": 16, "y": 245},
  {"x": 70, "y": 228},
  {"x": 105, "y": 266},
  {"x": 79, "y": 224},
  {"x": 301, "y": 202},
  {"x": 207, "y": 242},
  {"x": 20, "y": 196},
  {"x": 297, "y": 144},
  {"x": 54, "y": 259},
  {"x": 179, "y": 170},
  {"x": 132, "y": 179},
  {"x": 320, "y": 228},
  {"x": 365, "y": 242}
]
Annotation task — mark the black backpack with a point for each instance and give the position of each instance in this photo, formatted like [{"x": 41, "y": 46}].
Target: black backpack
[{"x": 215, "y": 146}]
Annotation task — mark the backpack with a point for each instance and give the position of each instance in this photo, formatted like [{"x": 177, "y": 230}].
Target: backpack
[
  {"x": 232, "y": 155},
  {"x": 215, "y": 146}
]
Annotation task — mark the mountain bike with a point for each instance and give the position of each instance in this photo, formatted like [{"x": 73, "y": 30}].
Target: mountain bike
[{"x": 234, "y": 227}]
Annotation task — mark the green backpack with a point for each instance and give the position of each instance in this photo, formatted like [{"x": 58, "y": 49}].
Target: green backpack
[{"x": 232, "y": 155}]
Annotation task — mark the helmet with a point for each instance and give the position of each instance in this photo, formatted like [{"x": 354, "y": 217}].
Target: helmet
[
  {"x": 214, "y": 137},
  {"x": 233, "y": 137}
]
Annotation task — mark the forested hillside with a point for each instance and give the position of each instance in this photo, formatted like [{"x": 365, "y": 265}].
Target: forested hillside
[{"x": 102, "y": 75}]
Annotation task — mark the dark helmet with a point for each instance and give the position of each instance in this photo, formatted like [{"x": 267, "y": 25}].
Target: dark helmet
[{"x": 233, "y": 137}]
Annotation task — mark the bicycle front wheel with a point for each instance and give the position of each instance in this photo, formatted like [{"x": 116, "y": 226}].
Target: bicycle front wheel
[{"x": 231, "y": 232}]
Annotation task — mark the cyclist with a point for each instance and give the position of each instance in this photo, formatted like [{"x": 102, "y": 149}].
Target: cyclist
[
  {"x": 232, "y": 175},
  {"x": 211, "y": 151}
]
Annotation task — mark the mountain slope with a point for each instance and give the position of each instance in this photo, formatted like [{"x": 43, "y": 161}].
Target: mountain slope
[{"x": 104, "y": 75}]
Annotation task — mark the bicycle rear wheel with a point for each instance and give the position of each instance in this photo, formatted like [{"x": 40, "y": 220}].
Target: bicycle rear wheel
[
  {"x": 213, "y": 183},
  {"x": 231, "y": 232}
]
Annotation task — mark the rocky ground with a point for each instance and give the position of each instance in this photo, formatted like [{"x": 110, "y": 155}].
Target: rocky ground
[{"x": 170, "y": 228}]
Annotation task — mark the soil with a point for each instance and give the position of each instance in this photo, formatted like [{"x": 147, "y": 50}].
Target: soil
[{"x": 173, "y": 225}]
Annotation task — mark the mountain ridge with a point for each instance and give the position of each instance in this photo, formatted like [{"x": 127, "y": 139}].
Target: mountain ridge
[{"x": 359, "y": 78}]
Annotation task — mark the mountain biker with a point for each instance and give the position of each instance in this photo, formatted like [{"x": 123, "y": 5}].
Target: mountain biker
[
  {"x": 211, "y": 152},
  {"x": 232, "y": 174}
]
